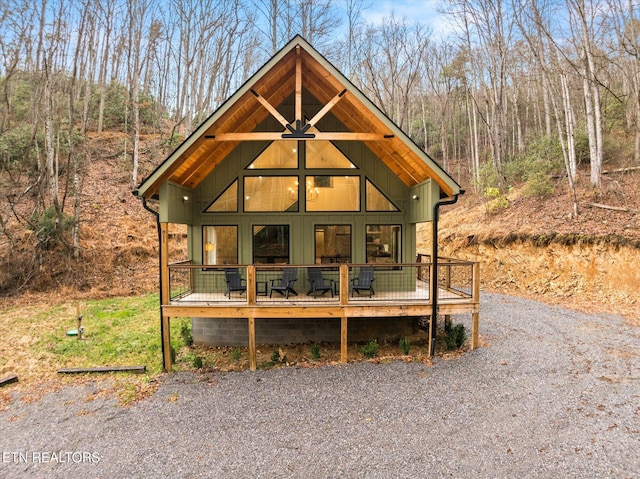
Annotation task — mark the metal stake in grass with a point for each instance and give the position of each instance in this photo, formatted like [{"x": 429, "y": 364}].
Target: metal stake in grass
[
  {"x": 79, "y": 316},
  {"x": 80, "y": 330}
]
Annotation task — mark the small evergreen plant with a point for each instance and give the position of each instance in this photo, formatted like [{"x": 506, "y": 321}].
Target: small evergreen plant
[
  {"x": 404, "y": 346},
  {"x": 370, "y": 350},
  {"x": 315, "y": 351}
]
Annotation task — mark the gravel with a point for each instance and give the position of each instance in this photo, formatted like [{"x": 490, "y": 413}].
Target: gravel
[{"x": 552, "y": 393}]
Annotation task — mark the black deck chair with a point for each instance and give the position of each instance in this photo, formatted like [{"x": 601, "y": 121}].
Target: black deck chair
[
  {"x": 318, "y": 283},
  {"x": 364, "y": 281},
  {"x": 284, "y": 285},
  {"x": 234, "y": 281}
]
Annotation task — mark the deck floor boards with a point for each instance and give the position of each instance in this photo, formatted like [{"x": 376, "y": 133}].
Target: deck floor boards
[{"x": 420, "y": 294}]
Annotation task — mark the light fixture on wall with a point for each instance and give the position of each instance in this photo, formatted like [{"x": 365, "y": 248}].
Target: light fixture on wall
[
  {"x": 185, "y": 198},
  {"x": 312, "y": 194},
  {"x": 416, "y": 197},
  {"x": 210, "y": 253}
]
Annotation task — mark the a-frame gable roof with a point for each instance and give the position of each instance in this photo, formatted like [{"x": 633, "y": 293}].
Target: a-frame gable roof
[{"x": 296, "y": 67}]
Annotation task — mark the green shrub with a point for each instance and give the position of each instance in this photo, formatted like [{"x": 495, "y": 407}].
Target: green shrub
[
  {"x": 455, "y": 337},
  {"x": 370, "y": 350},
  {"x": 236, "y": 354},
  {"x": 51, "y": 227},
  {"x": 535, "y": 167},
  {"x": 488, "y": 181},
  {"x": 538, "y": 184},
  {"x": 185, "y": 333},
  {"x": 278, "y": 356},
  {"x": 15, "y": 147},
  {"x": 498, "y": 204},
  {"x": 315, "y": 351},
  {"x": 405, "y": 346},
  {"x": 197, "y": 362},
  {"x": 173, "y": 355}
]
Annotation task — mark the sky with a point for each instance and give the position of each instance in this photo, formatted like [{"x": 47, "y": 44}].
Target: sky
[{"x": 422, "y": 11}]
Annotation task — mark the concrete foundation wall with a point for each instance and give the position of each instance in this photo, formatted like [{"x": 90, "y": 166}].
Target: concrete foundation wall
[{"x": 234, "y": 332}]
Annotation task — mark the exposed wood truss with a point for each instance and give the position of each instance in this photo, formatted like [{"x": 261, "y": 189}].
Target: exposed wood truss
[
  {"x": 268, "y": 136},
  {"x": 296, "y": 72}
]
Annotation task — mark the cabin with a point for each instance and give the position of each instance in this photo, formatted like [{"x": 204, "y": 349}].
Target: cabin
[{"x": 301, "y": 200}]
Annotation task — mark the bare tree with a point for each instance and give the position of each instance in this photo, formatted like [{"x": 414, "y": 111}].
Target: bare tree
[
  {"x": 488, "y": 33},
  {"x": 138, "y": 20},
  {"x": 390, "y": 66},
  {"x": 625, "y": 21},
  {"x": 271, "y": 11},
  {"x": 582, "y": 15},
  {"x": 316, "y": 20},
  {"x": 535, "y": 28},
  {"x": 353, "y": 38}
]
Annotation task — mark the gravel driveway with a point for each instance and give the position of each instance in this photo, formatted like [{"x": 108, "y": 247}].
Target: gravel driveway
[{"x": 553, "y": 394}]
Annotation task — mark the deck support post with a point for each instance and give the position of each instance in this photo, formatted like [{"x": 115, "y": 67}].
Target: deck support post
[
  {"x": 475, "y": 317},
  {"x": 251, "y": 285},
  {"x": 343, "y": 339},
  {"x": 344, "y": 300},
  {"x": 475, "y": 321},
  {"x": 165, "y": 330},
  {"x": 252, "y": 344},
  {"x": 166, "y": 343}
]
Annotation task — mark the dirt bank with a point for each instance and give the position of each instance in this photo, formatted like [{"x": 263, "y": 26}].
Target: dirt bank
[{"x": 591, "y": 277}]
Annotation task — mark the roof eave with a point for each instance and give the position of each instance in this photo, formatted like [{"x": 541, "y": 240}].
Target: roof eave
[{"x": 151, "y": 183}]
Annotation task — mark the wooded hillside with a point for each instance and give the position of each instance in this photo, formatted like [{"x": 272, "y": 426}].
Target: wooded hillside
[{"x": 534, "y": 107}]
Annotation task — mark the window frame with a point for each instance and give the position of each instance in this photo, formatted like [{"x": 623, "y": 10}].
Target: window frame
[
  {"x": 275, "y": 168},
  {"x": 244, "y": 192},
  {"x": 366, "y": 199},
  {"x": 370, "y": 231},
  {"x": 208, "y": 266},
  {"x": 237, "y": 181},
  {"x": 253, "y": 242},
  {"x": 331, "y": 182},
  {"x": 315, "y": 243}
]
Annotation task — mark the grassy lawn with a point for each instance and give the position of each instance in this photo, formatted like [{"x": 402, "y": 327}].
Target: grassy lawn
[
  {"x": 117, "y": 332},
  {"x": 126, "y": 332}
]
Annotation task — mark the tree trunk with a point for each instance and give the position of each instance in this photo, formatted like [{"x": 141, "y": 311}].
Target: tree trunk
[{"x": 49, "y": 140}]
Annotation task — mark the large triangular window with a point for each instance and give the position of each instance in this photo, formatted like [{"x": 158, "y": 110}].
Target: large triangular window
[
  {"x": 376, "y": 200},
  {"x": 226, "y": 202},
  {"x": 279, "y": 154},
  {"x": 323, "y": 154}
]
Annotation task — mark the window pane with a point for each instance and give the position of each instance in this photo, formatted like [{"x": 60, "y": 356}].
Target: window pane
[
  {"x": 333, "y": 244},
  {"x": 376, "y": 201},
  {"x": 219, "y": 245},
  {"x": 271, "y": 193},
  {"x": 279, "y": 154},
  {"x": 271, "y": 244},
  {"x": 324, "y": 154},
  {"x": 332, "y": 193},
  {"x": 227, "y": 201},
  {"x": 383, "y": 244}
]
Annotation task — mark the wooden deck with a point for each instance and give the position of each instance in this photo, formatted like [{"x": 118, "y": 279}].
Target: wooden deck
[
  {"x": 391, "y": 299},
  {"x": 220, "y": 298}
]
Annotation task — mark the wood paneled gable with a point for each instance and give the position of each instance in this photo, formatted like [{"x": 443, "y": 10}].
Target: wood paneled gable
[{"x": 297, "y": 70}]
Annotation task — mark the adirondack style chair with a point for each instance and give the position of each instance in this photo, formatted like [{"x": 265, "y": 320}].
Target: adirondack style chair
[
  {"x": 318, "y": 283},
  {"x": 284, "y": 285},
  {"x": 364, "y": 281},
  {"x": 234, "y": 281}
]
